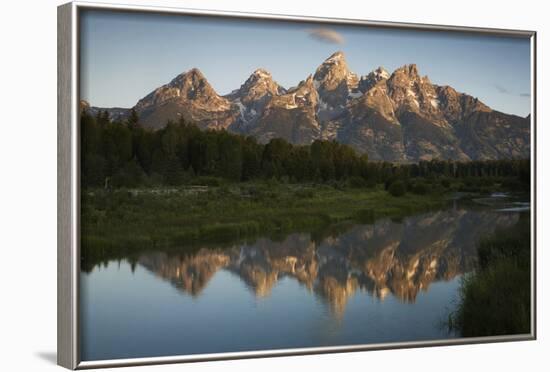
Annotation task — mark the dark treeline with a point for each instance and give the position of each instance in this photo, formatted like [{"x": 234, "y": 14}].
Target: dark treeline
[{"x": 125, "y": 154}]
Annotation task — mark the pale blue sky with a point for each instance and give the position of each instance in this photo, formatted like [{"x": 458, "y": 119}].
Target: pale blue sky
[{"x": 124, "y": 56}]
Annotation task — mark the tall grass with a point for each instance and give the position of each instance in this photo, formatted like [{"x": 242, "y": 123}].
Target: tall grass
[{"x": 496, "y": 299}]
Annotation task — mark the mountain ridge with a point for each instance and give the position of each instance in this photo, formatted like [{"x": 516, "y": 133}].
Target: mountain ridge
[{"x": 398, "y": 117}]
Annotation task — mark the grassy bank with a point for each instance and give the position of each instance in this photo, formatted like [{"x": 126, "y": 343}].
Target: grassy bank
[
  {"x": 495, "y": 300},
  {"x": 127, "y": 220}
]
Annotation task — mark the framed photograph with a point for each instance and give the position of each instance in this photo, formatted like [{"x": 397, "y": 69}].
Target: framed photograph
[{"x": 235, "y": 185}]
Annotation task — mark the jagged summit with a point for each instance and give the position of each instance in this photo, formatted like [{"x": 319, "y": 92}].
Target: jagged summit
[
  {"x": 251, "y": 99},
  {"x": 382, "y": 72},
  {"x": 193, "y": 77},
  {"x": 335, "y": 57},
  {"x": 254, "y": 93},
  {"x": 303, "y": 96},
  {"x": 369, "y": 81},
  {"x": 307, "y": 82},
  {"x": 398, "y": 116},
  {"x": 410, "y": 70},
  {"x": 192, "y": 84},
  {"x": 194, "y": 72},
  {"x": 188, "y": 86},
  {"x": 261, "y": 73},
  {"x": 335, "y": 82},
  {"x": 190, "y": 96},
  {"x": 335, "y": 64}
]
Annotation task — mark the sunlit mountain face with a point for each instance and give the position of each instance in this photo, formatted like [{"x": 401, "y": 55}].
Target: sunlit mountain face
[{"x": 397, "y": 258}]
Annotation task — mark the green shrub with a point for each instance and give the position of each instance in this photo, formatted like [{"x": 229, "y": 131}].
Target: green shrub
[
  {"x": 445, "y": 183},
  {"x": 486, "y": 181},
  {"x": 357, "y": 182},
  {"x": 419, "y": 188},
  {"x": 304, "y": 194},
  {"x": 389, "y": 182},
  {"x": 397, "y": 188},
  {"x": 131, "y": 175},
  {"x": 514, "y": 184},
  {"x": 371, "y": 183},
  {"x": 336, "y": 184}
]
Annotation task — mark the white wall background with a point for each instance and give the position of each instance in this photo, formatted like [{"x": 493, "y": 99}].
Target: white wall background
[{"x": 28, "y": 184}]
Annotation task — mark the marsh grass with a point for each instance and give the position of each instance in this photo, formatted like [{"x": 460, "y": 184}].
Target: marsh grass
[{"x": 495, "y": 299}]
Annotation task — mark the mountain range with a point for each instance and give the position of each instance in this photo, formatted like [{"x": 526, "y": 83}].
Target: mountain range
[{"x": 399, "y": 116}]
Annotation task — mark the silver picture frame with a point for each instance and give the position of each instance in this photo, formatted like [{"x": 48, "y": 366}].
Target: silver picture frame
[{"x": 68, "y": 186}]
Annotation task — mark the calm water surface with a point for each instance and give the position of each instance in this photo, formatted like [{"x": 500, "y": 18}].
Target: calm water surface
[{"x": 385, "y": 282}]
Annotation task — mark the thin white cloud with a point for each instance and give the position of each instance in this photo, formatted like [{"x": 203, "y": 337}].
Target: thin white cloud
[{"x": 326, "y": 35}]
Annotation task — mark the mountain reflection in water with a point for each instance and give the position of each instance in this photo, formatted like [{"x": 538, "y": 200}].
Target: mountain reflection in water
[{"x": 400, "y": 258}]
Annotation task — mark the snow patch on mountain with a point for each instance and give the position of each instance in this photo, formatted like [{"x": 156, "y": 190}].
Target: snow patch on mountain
[{"x": 242, "y": 109}]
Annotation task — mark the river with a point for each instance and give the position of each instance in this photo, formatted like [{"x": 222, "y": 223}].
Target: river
[{"x": 390, "y": 281}]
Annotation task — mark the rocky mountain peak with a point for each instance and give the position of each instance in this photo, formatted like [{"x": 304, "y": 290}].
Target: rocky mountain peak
[
  {"x": 192, "y": 84},
  {"x": 308, "y": 83},
  {"x": 410, "y": 71},
  {"x": 258, "y": 88},
  {"x": 304, "y": 95},
  {"x": 252, "y": 97},
  {"x": 411, "y": 92},
  {"x": 189, "y": 86},
  {"x": 263, "y": 78},
  {"x": 195, "y": 73},
  {"x": 404, "y": 76},
  {"x": 291, "y": 115},
  {"x": 333, "y": 71},
  {"x": 188, "y": 95},
  {"x": 334, "y": 81},
  {"x": 335, "y": 57},
  {"x": 259, "y": 76},
  {"x": 370, "y": 80},
  {"x": 381, "y": 73},
  {"x": 456, "y": 106},
  {"x": 193, "y": 76},
  {"x": 261, "y": 73}
]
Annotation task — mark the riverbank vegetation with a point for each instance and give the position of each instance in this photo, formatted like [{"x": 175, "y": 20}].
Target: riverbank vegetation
[{"x": 496, "y": 298}]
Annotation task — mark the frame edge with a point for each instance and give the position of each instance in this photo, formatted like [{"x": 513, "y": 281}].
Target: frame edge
[
  {"x": 65, "y": 252},
  {"x": 534, "y": 179},
  {"x": 68, "y": 171},
  {"x": 91, "y": 4}
]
